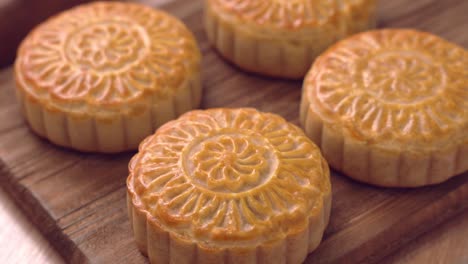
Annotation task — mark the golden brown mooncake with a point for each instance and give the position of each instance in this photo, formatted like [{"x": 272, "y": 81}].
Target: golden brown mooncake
[
  {"x": 228, "y": 186},
  {"x": 390, "y": 107},
  {"x": 103, "y": 76},
  {"x": 281, "y": 38}
]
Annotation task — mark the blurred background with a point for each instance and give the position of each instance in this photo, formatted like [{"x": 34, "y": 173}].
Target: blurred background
[{"x": 18, "y": 17}]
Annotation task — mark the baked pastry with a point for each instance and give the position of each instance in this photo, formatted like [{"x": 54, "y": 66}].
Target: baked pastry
[
  {"x": 390, "y": 107},
  {"x": 281, "y": 38},
  {"x": 103, "y": 76},
  {"x": 228, "y": 186}
]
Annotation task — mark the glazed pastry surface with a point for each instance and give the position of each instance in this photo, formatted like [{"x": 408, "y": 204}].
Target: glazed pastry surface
[
  {"x": 282, "y": 38},
  {"x": 231, "y": 179},
  {"x": 108, "y": 61},
  {"x": 399, "y": 91}
]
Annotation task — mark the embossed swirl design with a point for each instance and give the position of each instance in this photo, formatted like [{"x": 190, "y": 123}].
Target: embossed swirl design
[
  {"x": 107, "y": 46},
  {"x": 231, "y": 162},
  {"x": 226, "y": 175},
  {"x": 393, "y": 84},
  {"x": 106, "y": 53},
  {"x": 399, "y": 77}
]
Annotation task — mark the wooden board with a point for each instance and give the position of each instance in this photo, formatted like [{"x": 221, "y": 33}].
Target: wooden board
[{"x": 78, "y": 200}]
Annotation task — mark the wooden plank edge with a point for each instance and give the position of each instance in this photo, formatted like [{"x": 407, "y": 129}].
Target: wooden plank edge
[
  {"x": 396, "y": 237},
  {"x": 41, "y": 219}
]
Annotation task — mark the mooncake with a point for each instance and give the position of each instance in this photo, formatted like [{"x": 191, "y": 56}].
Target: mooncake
[
  {"x": 390, "y": 107},
  {"x": 281, "y": 38},
  {"x": 228, "y": 186},
  {"x": 102, "y": 76}
]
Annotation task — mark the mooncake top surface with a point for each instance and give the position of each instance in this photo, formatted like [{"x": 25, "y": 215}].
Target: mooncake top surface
[
  {"x": 395, "y": 87},
  {"x": 106, "y": 56},
  {"x": 228, "y": 177}
]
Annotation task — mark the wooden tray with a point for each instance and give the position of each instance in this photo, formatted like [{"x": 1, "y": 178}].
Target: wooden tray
[{"x": 78, "y": 200}]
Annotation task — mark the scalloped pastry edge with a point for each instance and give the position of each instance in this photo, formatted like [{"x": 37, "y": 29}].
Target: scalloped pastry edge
[
  {"x": 377, "y": 165},
  {"x": 274, "y": 57},
  {"x": 113, "y": 133},
  {"x": 161, "y": 247}
]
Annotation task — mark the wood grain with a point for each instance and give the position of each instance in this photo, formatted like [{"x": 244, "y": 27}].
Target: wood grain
[
  {"x": 78, "y": 200},
  {"x": 446, "y": 244}
]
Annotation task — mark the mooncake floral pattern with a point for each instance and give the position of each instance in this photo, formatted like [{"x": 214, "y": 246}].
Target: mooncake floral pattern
[
  {"x": 392, "y": 83},
  {"x": 106, "y": 53},
  {"x": 231, "y": 163},
  {"x": 106, "y": 46},
  {"x": 401, "y": 78},
  {"x": 277, "y": 175}
]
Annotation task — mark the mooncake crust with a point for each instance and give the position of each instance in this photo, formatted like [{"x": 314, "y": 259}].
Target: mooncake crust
[
  {"x": 228, "y": 185},
  {"x": 282, "y": 38},
  {"x": 114, "y": 71},
  {"x": 389, "y": 107}
]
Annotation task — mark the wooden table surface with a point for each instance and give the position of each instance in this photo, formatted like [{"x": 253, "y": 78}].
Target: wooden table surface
[{"x": 20, "y": 242}]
